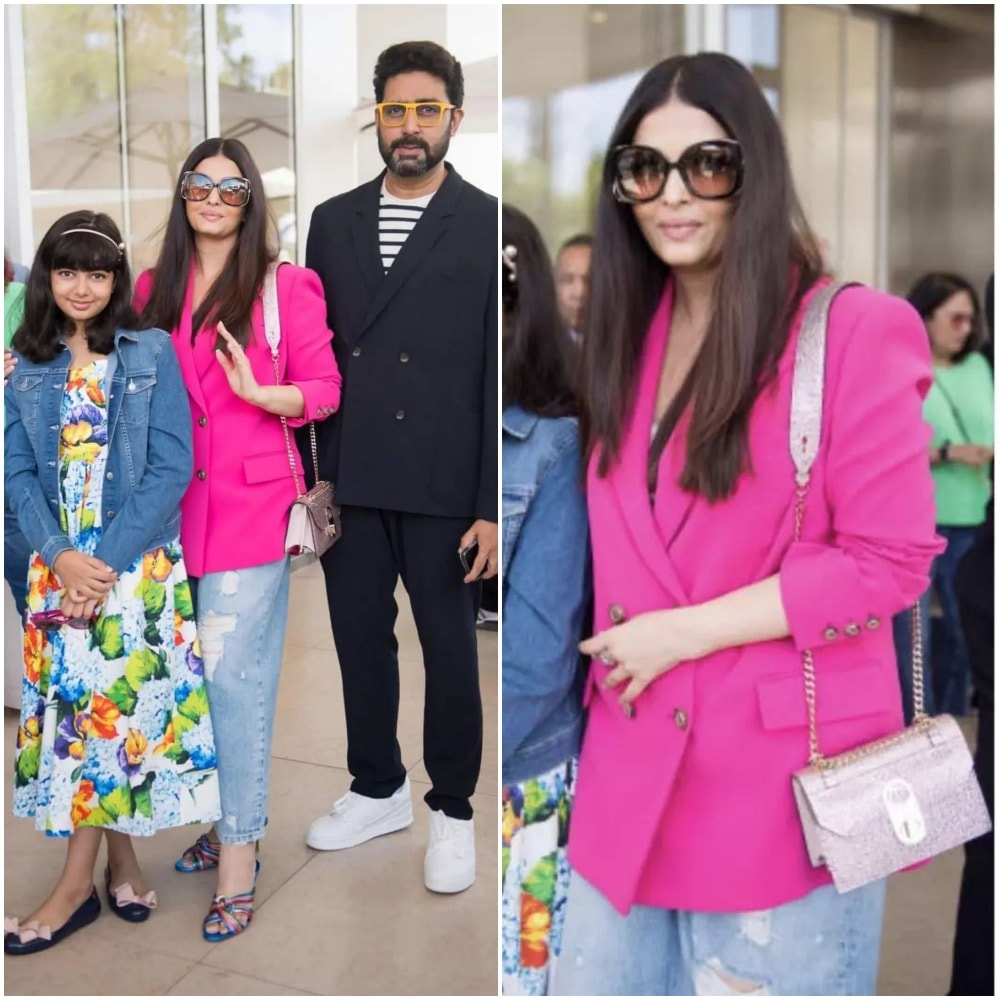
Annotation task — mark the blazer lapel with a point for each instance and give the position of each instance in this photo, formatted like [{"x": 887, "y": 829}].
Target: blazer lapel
[
  {"x": 432, "y": 226},
  {"x": 629, "y": 477},
  {"x": 364, "y": 234},
  {"x": 185, "y": 349}
]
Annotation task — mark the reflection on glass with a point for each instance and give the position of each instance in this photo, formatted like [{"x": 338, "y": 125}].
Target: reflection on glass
[
  {"x": 255, "y": 100},
  {"x": 74, "y": 135},
  {"x": 569, "y": 72}
]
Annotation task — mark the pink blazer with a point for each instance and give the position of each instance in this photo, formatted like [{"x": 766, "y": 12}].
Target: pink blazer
[
  {"x": 235, "y": 511},
  {"x": 689, "y": 805}
]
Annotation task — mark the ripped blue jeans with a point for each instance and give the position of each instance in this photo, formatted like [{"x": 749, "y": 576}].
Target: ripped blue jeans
[
  {"x": 824, "y": 944},
  {"x": 241, "y": 627}
]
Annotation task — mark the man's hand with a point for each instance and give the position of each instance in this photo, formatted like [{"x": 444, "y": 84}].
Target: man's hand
[{"x": 487, "y": 564}]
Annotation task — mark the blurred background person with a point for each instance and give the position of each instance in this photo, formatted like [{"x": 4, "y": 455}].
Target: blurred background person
[
  {"x": 959, "y": 408},
  {"x": 573, "y": 282},
  {"x": 545, "y": 593}
]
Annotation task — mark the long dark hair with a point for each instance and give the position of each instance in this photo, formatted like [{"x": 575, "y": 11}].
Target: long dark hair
[
  {"x": 38, "y": 337},
  {"x": 231, "y": 298},
  {"x": 933, "y": 290},
  {"x": 535, "y": 360},
  {"x": 769, "y": 261}
]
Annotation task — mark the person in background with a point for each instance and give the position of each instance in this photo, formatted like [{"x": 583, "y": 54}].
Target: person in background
[
  {"x": 16, "y": 550},
  {"x": 959, "y": 408},
  {"x": 573, "y": 282},
  {"x": 690, "y": 874},
  {"x": 546, "y": 594}
]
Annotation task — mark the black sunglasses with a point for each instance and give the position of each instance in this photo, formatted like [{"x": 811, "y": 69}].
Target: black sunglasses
[
  {"x": 233, "y": 191},
  {"x": 711, "y": 170}
]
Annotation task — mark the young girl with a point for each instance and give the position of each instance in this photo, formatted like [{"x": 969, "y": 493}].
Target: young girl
[{"x": 115, "y": 737}]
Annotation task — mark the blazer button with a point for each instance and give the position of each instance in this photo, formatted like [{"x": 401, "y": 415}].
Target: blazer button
[
  {"x": 110, "y": 514},
  {"x": 680, "y": 718},
  {"x": 830, "y": 633},
  {"x": 202, "y": 474},
  {"x": 852, "y": 629},
  {"x": 873, "y": 622},
  {"x": 202, "y": 421},
  {"x": 400, "y": 414},
  {"x": 404, "y": 357},
  {"x": 616, "y": 613},
  {"x": 356, "y": 352}
]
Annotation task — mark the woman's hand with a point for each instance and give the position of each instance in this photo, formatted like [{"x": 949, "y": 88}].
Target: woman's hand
[
  {"x": 970, "y": 454},
  {"x": 9, "y": 363},
  {"x": 237, "y": 368},
  {"x": 642, "y": 649},
  {"x": 84, "y": 575},
  {"x": 75, "y": 605}
]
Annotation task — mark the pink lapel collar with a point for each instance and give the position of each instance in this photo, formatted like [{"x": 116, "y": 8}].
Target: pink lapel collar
[
  {"x": 629, "y": 477},
  {"x": 186, "y": 350}
]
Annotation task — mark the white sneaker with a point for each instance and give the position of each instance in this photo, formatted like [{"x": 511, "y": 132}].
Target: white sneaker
[
  {"x": 356, "y": 818},
  {"x": 450, "y": 862}
]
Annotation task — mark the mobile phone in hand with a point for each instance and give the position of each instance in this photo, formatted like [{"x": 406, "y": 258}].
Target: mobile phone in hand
[{"x": 467, "y": 556}]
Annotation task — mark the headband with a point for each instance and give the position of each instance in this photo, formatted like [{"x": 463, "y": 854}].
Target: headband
[{"x": 120, "y": 247}]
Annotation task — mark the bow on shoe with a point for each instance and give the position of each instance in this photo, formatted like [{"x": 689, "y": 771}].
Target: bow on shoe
[
  {"x": 11, "y": 926},
  {"x": 125, "y": 894}
]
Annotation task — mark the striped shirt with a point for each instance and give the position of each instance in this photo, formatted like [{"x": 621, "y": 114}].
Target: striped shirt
[{"x": 396, "y": 219}]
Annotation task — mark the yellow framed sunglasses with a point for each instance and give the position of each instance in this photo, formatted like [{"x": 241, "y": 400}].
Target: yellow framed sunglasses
[{"x": 392, "y": 114}]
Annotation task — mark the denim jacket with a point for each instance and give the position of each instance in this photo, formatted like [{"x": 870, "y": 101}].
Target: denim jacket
[
  {"x": 149, "y": 449},
  {"x": 546, "y": 593}
]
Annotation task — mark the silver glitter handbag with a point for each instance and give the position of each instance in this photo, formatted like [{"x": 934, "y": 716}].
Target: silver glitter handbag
[
  {"x": 314, "y": 516},
  {"x": 885, "y": 805}
]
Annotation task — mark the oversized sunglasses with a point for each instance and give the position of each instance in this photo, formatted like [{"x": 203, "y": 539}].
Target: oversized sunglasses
[
  {"x": 52, "y": 621},
  {"x": 710, "y": 170},
  {"x": 392, "y": 114},
  {"x": 233, "y": 191}
]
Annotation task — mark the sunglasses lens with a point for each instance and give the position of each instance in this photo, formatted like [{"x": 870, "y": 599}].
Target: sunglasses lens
[
  {"x": 712, "y": 169},
  {"x": 234, "y": 191},
  {"x": 46, "y": 625},
  {"x": 196, "y": 187},
  {"x": 639, "y": 173}
]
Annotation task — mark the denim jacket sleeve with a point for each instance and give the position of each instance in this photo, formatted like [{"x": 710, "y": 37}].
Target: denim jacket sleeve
[
  {"x": 23, "y": 488},
  {"x": 546, "y": 593},
  {"x": 167, "y": 474}
]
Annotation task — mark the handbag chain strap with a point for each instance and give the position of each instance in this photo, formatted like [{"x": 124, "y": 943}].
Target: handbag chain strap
[
  {"x": 804, "y": 435},
  {"x": 272, "y": 330}
]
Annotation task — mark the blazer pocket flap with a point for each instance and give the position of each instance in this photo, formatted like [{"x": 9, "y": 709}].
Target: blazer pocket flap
[
  {"x": 840, "y": 694},
  {"x": 263, "y": 468},
  {"x": 140, "y": 383}
]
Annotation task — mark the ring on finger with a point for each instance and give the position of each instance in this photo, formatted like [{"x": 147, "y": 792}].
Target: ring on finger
[{"x": 605, "y": 657}]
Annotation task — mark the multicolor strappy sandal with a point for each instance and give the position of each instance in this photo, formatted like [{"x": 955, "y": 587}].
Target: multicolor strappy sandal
[
  {"x": 232, "y": 913},
  {"x": 199, "y": 857}
]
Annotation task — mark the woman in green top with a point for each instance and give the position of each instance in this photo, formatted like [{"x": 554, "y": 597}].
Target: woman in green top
[{"x": 959, "y": 408}]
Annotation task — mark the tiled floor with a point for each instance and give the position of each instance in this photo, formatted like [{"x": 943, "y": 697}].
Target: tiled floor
[{"x": 346, "y": 922}]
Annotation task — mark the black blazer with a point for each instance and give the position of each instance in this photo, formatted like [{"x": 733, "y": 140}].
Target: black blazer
[{"x": 418, "y": 422}]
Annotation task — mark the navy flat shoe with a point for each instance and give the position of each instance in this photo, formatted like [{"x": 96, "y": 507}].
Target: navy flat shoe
[
  {"x": 42, "y": 937},
  {"x": 125, "y": 903}
]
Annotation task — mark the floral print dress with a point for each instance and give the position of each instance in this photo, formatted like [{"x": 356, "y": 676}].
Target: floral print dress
[
  {"x": 535, "y": 878},
  {"x": 115, "y": 730}
]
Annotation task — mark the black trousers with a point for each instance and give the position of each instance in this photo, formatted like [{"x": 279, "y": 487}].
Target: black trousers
[{"x": 378, "y": 548}]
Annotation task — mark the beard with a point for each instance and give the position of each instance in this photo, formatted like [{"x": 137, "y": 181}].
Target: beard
[{"x": 410, "y": 165}]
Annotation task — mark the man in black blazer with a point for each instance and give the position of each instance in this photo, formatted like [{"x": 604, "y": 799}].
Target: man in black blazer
[{"x": 409, "y": 263}]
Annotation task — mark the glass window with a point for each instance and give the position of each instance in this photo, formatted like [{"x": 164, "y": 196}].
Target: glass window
[
  {"x": 568, "y": 70},
  {"x": 74, "y": 133},
  {"x": 255, "y": 100},
  {"x": 164, "y": 112}
]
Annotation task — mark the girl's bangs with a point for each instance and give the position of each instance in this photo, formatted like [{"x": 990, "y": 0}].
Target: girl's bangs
[{"x": 85, "y": 252}]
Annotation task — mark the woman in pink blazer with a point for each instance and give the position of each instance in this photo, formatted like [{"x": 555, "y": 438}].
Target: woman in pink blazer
[
  {"x": 690, "y": 874},
  {"x": 206, "y": 289}
]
